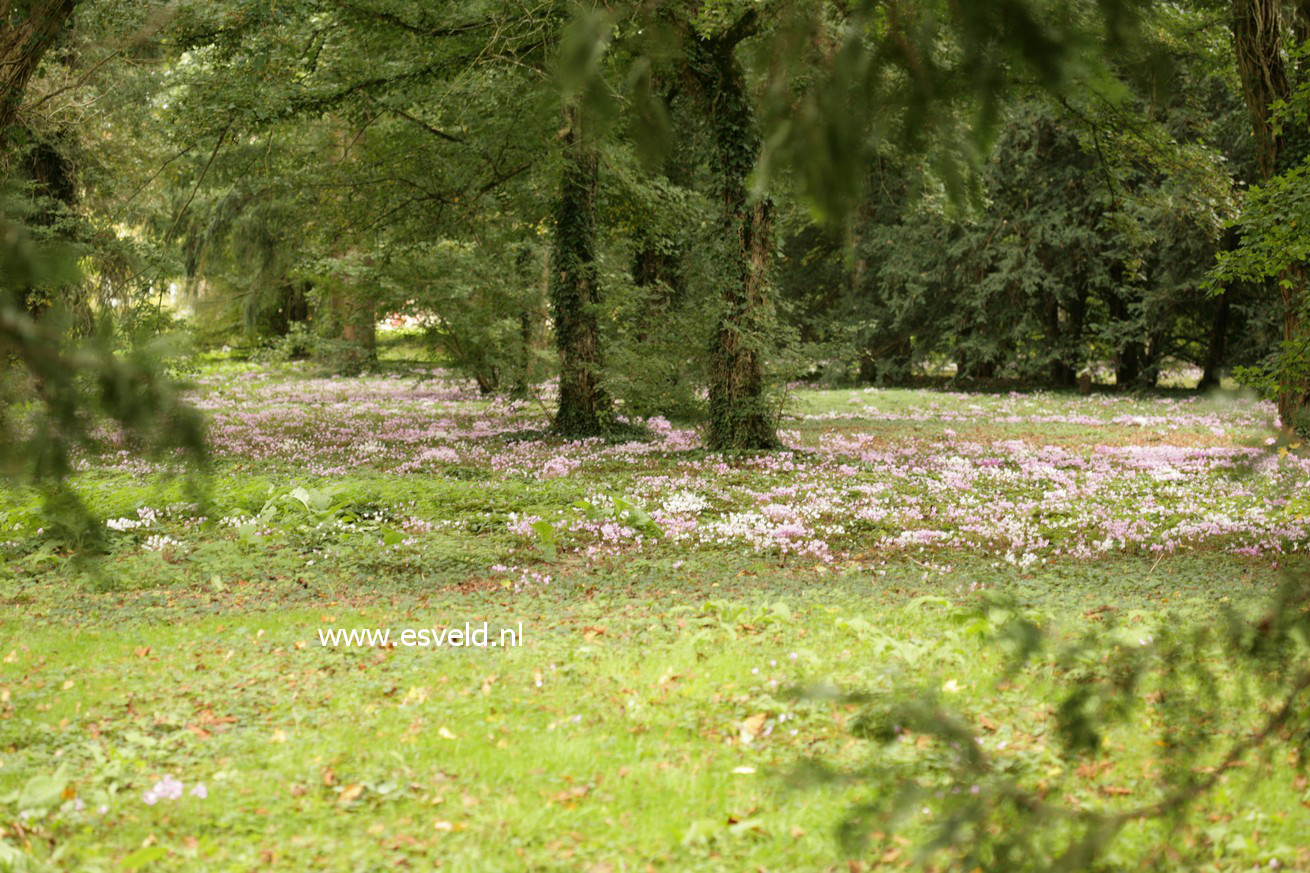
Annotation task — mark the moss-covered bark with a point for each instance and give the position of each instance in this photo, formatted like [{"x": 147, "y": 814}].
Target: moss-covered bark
[
  {"x": 739, "y": 413},
  {"x": 584, "y": 407}
]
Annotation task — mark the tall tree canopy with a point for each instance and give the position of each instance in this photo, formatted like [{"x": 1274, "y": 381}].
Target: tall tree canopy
[{"x": 691, "y": 202}]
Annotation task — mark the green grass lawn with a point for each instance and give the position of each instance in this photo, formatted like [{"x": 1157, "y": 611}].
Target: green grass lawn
[{"x": 680, "y": 665}]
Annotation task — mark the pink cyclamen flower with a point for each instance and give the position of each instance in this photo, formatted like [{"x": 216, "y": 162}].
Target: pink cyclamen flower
[
  {"x": 200, "y": 791},
  {"x": 167, "y": 788}
]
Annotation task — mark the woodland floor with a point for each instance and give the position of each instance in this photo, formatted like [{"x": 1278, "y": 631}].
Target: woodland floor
[{"x": 672, "y": 602}]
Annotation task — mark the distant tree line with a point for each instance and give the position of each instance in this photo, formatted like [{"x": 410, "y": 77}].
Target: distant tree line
[{"x": 676, "y": 208}]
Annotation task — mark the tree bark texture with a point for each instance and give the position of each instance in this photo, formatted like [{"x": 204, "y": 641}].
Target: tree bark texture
[
  {"x": 739, "y": 414},
  {"x": 22, "y": 45},
  {"x": 584, "y": 407}
]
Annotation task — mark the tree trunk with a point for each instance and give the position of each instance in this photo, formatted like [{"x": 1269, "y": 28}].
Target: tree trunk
[
  {"x": 1061, "y": 374},
  {"x": 1257, "y": 42},
  {"x": 1128, "y": 356},
  {"x": 1214, "y": 352},
  {"x": 1077, "y": 321},
  {"x": 532, "y": 320},
  {"x": 357, "y": 318},
  {"x": 1128, "y": 368},
  {"x": 739, "y": 412},
  {"x": 1152, "y": 359},
  {"x": 22, "y": 45},
  {"x": 24, "y": 40},
  {"x": 584, "y": 406},
  {"x": 360, "y": 327}
]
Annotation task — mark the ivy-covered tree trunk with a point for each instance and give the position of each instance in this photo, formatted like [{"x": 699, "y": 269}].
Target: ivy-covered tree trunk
[
  {"x": 739, "y": 414},
  {"x": 584, "y": 406},
  {"x": 1257, "y": 42},
  {"x": 24, "y": 38}
]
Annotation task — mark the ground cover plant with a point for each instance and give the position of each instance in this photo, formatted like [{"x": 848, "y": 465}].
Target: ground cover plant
[
  {"x": 699, "y": 628},
  {"x": 615, "y": 435}
]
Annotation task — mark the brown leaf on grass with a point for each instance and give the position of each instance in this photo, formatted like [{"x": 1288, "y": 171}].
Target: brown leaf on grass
[
  {"x": 570, "y": 796},
  {"x": 205, "y": 716},
  {"x": 1093, "y": 769},
  {"x": 350, "y": 794},
  {"x": 753, "y": 725},
  {"x": 1095, "y": 614}
]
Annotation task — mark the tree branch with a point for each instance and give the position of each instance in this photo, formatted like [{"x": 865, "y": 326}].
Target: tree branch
[{"x": 435, "y": 131}]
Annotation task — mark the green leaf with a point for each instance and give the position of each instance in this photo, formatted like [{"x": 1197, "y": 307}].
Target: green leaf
[
  {"x": 142, "y": 857},
  {"x": 546, "y": 537},
  {"x": 43, "y": 790}
]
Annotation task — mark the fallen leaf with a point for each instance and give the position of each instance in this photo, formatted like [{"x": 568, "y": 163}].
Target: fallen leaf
[{"x": 752, "y": 726}]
